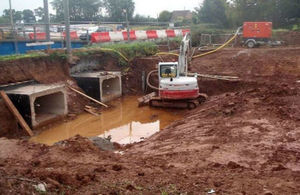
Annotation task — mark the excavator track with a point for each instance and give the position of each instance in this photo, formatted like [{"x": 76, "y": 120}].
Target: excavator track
[{"x": 180, "y": 104}]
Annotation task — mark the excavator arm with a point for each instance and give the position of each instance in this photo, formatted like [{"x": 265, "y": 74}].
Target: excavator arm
[{"x": 185, "y": 48}]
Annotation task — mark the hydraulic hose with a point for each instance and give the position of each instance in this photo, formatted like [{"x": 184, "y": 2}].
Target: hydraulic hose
[
  {"x": 221, "y": 47},
  {"x": 148, "y": 80},
  {"x": 166, "y": 53},
  {"x": 113, "y": 50}
]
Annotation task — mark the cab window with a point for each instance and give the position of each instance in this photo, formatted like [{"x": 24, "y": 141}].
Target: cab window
[{"x": 168, "y": 71}]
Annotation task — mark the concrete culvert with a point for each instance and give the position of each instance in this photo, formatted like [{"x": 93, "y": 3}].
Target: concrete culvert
[
  {"x": 103, "y": 86},
  {"x": 39, "y": 104},
  {"x": 110, "y": 89},
  {"x": 49, "y": 106}
]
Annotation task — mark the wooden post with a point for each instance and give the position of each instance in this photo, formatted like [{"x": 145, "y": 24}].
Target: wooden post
[
  {"x": 15, "y": 112},
  {"x": 88, "y": 97}
]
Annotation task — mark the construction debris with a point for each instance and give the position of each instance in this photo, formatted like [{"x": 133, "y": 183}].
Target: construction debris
[
  {"x": 91, "y": 110},
  {"x": 143, "y": 101},
  {"x": 88, "y": 97}
]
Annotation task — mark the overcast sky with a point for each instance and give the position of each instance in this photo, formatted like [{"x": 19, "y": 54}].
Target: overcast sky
[{"x": 143, "y": 7}]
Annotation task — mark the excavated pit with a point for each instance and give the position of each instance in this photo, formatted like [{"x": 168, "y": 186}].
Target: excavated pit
[{"x": 243, "y": 140}]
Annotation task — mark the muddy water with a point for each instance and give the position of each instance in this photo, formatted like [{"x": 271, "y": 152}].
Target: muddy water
[{"x": 124, "y": 122}]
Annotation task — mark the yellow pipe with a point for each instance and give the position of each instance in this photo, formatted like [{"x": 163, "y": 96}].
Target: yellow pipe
[
  {"x": 213, "y": 51},
  {"x": 166, "y": 53},
  {"x": 221, "y": 47},
  {"x": 107, "y": 49}
]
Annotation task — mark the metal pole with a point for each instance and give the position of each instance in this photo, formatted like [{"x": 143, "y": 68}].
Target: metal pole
[
  {"x": 13, "y": 29},
  {"x": 143, "y": 81},
  {"x": 34, "y": 31},
  {"x": 47, "y": 20},
  {"x": 127, "y": 24},
  {"x": 67, "y": 24}
]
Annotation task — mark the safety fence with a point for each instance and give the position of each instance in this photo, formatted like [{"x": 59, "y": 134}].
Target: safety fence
[{"x": 101, "y": 37}]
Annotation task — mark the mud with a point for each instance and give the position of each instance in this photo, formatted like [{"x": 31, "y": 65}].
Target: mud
[
  {"x": 289, "y": 38},
  {"x": 243, "y": 140}
]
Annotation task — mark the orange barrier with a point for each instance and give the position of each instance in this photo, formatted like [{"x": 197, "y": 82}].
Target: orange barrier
[
  {"x": 39, "y": 36},
  {"x": 170, "y": 33},
  {"x": 73, "y": 35},
  {"x": 152, "y": 34},
  {"x": 132, "y": 35},
  {"x": 184, "y": 31},
  {"x": 100, "y": 37}
]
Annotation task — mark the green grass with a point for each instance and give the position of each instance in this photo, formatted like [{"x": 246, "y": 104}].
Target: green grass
[
  {"x": 148, "y": 27},
  {"x": 22, "y": 56},
  {"x": 132, "y": 50},
  {"x": 280, "y": 30}
]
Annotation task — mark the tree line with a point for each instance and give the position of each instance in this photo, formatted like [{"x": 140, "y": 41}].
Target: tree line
[
  {"x": 232, "y": 13},
  {"x": 222, "y": 13},
  {"x": 81, "y": 10}
]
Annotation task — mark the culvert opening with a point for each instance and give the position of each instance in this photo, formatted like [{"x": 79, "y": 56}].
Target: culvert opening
[
  {"x": 111, "y": 88},
  {"x": 49, "y": 106}
]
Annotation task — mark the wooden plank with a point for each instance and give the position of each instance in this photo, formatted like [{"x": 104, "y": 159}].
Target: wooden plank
[
  {"x": 91, "y": 110},
  {"x": 143, "y": 101},
  {"x": 90, "y": 98},
  {"x": 15, "y": 112}
]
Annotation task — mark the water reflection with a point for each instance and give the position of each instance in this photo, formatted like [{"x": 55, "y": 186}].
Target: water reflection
[{"x": 124, "y": 122}]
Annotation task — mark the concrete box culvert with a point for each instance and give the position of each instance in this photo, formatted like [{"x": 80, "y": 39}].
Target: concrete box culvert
[
  {"x": 39, "y": 104},
  {"x": 103, "y": 86}
]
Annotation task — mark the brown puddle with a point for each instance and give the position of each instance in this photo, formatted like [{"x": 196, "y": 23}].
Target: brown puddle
[{"x": 124, "y": 122}]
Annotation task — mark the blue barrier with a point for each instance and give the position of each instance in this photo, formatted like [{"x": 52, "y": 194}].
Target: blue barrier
[{"x": 8, "y": 47}]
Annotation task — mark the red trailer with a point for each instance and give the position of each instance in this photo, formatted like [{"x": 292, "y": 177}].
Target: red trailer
[{"x": 256, "y": 33}]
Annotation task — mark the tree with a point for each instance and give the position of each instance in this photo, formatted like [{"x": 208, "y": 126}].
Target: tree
[
  {"x": 39, "y": 13},
  {"x": 117, "y": 9},
  {"x": 28, "y": 16},
  {"x": 141, "y": 18},
  {"x": 164, "y": 16},
  {"x": 280, "y": 12},
  {"x": 4, "y": 20},
  {"x": 17, "y": 15},
  {"x": 80, "y": 10},
  {"x": 212, "y": 11}
]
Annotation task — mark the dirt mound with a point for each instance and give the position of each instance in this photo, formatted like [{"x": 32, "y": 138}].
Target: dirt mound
[
  {"x": 273, "y": 64},
  {"x": 289, "y": 38},
  {"x": 58, "y": 166},
  {"x": 241, "y": 142}
]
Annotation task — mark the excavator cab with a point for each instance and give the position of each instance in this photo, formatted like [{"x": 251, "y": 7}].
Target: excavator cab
[{"x": 168, "y": 70}]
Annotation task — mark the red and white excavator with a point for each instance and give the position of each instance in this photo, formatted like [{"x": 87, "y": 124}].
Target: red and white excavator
[{"x": 177, "y": 87}]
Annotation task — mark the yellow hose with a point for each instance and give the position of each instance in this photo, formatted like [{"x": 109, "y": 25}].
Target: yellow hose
[
  {"x": 203, "y": 54},
  {"x": 207, "y": 53},
  {"x": 221, "y": 47},
  {"x": 166, "y": 53},
  {"x": 107, "y": 49},
  {"x": 213, "y": 51}
]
